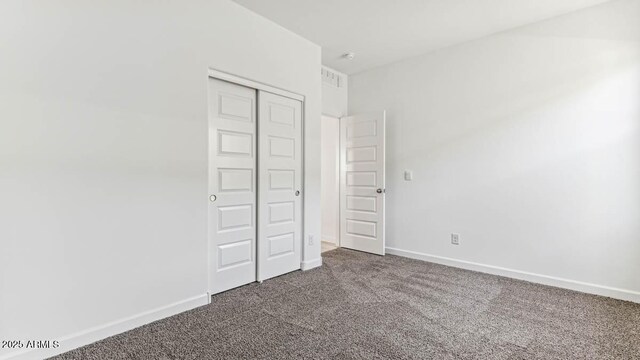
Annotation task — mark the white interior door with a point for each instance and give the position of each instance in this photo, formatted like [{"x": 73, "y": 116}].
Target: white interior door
[
  {"x": 362, "y": 182},
  {"x": 232, "y": 185},
  {"x": 280, "y": 185}
]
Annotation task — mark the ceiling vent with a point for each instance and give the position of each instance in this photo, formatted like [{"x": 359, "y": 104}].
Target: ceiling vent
[{"x": 332, "y": 78}]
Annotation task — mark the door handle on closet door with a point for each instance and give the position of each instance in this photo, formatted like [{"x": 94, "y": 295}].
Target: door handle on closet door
[
  {"x": 297, "y": 192},
  {"x": 379, "y": 191},
  {"x": 213, "y": 198}
]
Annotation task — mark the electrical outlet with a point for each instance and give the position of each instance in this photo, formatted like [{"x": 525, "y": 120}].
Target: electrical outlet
[
  {"x": 455, "y": 239},
  {"x": 408, "y": 175},
  {"x": 311, "y": 239}
]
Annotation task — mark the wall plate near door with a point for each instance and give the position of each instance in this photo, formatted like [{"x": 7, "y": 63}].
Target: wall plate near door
[{"x": 455, "y": 239}]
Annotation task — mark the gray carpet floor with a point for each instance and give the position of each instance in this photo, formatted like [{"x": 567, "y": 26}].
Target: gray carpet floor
[{"x": 360, "y": 306}]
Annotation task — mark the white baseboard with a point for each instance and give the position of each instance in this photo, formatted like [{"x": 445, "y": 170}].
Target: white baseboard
[
  {"x": 310, "y": 264},
  {"x": 616, "y": 293},
  {"x": 329, "y": 239},
  {"x": 100, "y": 332}
]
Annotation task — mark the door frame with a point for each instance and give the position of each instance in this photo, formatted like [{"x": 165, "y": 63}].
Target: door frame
[{"x": 239, "y": 80}]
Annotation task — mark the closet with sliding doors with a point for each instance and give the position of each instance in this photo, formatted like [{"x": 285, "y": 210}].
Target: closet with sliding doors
[{"x": 255, "y": 182}]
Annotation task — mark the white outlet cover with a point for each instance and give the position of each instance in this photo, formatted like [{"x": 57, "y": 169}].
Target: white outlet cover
[
  {"x": 455, "y": 239},
  {"x": 408, "y": 175}
]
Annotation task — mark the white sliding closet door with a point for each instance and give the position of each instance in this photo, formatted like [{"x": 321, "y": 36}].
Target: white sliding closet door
[
  {"x": 232, "y": 185},
  {"x": 280, "y": 185}
]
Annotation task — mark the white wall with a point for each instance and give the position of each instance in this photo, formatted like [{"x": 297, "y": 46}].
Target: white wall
[
  {"x": 527, "y": 143},
  {"x": 334, "y": 99},
  {"x": 103, "y": 154},
  {"x": 330, "y": 197}
]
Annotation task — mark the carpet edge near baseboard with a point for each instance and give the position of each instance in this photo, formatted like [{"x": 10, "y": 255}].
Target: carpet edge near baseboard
[{"x": 593, "y": 289}]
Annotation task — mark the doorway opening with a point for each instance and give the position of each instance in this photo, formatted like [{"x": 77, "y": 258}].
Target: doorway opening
[
  {"x": 330, "y": 182},
  {"x": 353, "y": 182}
]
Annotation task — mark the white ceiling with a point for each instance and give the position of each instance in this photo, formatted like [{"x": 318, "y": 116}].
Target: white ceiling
[{"x": 385, "y": 31}]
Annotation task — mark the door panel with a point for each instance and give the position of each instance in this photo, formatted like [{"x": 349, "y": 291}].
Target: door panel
[
  {"x": 232, "y": 184},
  {"x": 280, "y": 168},
  {"x": 362, "y": 179}
]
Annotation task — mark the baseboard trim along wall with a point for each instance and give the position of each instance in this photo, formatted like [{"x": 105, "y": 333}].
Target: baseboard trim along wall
[
  {"x": 100, "y": 332},
  {"x": 311, "y": 264},
  {"x": 330, "y": 239},
  {"x": 621, "y": 294}
]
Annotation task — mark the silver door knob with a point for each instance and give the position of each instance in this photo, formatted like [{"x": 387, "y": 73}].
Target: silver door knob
[
  {"x": 297, "y": 192},
  {"x": 213, "y": 198},
  {"x": 379, "y": 191}
]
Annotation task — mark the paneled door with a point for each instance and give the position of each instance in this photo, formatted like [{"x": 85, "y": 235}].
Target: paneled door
[
  {"x": 362, "y": 181},
  {"x": 280, "y": 185},
  {"x": 232, "y": 185}
]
